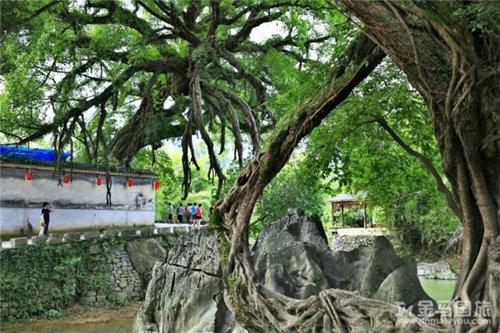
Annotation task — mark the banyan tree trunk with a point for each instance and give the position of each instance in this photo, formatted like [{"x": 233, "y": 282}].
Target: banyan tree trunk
[
  {"x": 258, "y": 308},
  {"x": 255, "y": 307},
  {"x": 456, "y": 72}
]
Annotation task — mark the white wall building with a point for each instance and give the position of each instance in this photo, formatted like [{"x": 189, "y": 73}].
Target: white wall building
[{"x": 80, "y": 204}]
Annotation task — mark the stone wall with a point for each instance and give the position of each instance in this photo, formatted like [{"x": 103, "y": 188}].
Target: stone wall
[
  {"x": 435, "y": 270},
  {"x": 79, "y": 205},
  {"x": 124, "y": 280},
  {"x": 118, "y": 277},
  {"x": 350, "y": 242}
]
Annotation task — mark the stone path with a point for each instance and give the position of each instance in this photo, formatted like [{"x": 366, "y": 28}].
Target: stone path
[
  {"x": 362, "y": 231},
  {"x": 173, "y": 227}
]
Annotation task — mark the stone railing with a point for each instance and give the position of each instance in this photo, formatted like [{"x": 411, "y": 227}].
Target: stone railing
[{"x": 89, "y": 235}]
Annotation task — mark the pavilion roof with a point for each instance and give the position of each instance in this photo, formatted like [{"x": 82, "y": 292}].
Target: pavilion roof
[{"x": 348, "y": 198}]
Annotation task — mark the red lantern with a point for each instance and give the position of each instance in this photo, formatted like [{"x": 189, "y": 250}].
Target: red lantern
[
  {"x": 29, "y": 175},
  {"x": 66, "y": 179},
  {"x": 156, "y": 184},
  {"x": 130, "y": 182},
  {"x": 98, "y": 181}
]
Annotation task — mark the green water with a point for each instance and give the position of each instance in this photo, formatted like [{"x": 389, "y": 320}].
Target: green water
[
  {"x": 114, "y": 326},
  {"x": 439, "y": 290}
]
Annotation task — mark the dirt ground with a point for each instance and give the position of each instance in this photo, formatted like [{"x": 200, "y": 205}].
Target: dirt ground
[{"x": 74, "y": 316}]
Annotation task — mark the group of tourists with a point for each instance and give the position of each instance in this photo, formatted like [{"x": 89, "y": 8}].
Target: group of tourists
[{"x": 191, "y": 214}]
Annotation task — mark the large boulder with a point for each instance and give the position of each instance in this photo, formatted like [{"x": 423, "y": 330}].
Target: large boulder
[
  {"x": 366, "y": 267},
  {"x": 185, "y": 293},
  {"x": 291, "y": 256},
  {"x": 402, "y": 286},
  {"x": 143, "y": 254}
]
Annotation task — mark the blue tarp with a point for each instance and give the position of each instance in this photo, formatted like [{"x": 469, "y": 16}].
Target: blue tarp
[{"x": 37, "y": 154}]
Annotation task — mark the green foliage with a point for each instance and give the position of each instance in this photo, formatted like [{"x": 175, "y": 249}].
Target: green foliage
[
  {"x": 39, "y": 278},
  {"x": 355, "y": 154},
  {"x": 53, "y": 314},
  {"x": 422, "y": 223},
  {"x": 480, "y": 17},
  {"x": 294, "y": 187},
  {"x": 43, "y": 51},
  {"x": 353, "y": 217}
]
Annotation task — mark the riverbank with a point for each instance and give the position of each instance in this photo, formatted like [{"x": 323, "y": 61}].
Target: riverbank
[{"x": 76, "y": 316}]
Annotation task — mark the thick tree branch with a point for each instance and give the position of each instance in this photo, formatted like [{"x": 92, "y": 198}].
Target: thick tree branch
[
  {"x": 426, "y": 162},
  {"x": 359, "y": 60},
  {"x": 154, "y": 66}
]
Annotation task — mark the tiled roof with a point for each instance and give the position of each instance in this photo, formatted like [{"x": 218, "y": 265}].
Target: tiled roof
[{"x": 75, "y": 166}]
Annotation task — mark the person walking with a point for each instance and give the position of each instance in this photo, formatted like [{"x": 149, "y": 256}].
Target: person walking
[
  {"x": 170, "y": 213},
  {"x": 46, "y": 217},
  {"x": 180, "y": 213},
  {"x": 193, "y": 212},
  {"x": 199, "y": 214},
  {"x": 189, "y": 213}
]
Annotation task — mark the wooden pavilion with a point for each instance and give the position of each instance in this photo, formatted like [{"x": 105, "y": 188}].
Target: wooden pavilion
[{"x": 348, "y": 200}]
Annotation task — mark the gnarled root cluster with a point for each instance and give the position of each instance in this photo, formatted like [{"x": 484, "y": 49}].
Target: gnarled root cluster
[{"x": 332, "y": 310}]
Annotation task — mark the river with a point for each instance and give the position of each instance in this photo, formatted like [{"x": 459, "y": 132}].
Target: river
[{"x": 439, "y": 290}]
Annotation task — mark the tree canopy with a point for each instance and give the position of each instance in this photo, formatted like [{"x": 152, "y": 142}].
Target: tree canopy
[
  {"x": 107, "y": 78},
  {"x": 111, "y": 77},
  {"x": 116, "y": 80}
]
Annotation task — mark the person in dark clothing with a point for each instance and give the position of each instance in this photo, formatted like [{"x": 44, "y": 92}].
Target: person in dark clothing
[
  {"x": 180, "y": 213},
  {"x": 170, "y": 213},
  {"x": 46, "y": 216}
]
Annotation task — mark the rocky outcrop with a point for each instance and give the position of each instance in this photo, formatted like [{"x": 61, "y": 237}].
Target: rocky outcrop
[
  {"x": 291, "y": 256},
  {"x": 143, "y": 254},
  {"x": 185, "y": 293},
  {"x": 402, "y": 285},
  {"x": 436, "y": 270}
]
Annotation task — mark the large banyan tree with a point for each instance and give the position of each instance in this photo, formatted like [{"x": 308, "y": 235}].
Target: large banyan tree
[
  {"x": 199, "y": 55},
  {"x": 116, "y": 76},
  {"x": 449, "y": 52}
]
